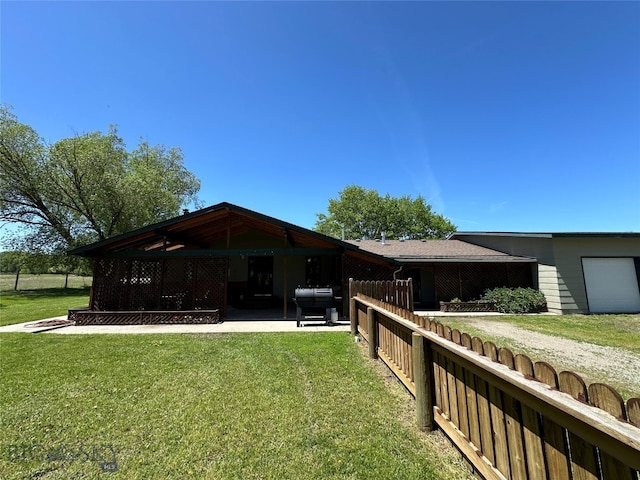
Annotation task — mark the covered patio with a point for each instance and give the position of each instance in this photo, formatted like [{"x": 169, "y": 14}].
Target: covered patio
[{"x": 209, "y": 265}]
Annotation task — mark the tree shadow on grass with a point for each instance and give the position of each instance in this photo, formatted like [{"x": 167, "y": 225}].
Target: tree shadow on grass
[{"x": 43, "y": 293}]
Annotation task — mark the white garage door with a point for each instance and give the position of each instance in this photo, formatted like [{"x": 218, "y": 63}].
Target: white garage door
[{"x": 612, "y": 285}]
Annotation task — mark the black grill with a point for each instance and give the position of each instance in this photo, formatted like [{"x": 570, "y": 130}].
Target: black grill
[{"x": 313, "y": 301}]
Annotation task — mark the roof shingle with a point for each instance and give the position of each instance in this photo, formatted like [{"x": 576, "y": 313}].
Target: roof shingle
[{"x": 435, "y": 251}]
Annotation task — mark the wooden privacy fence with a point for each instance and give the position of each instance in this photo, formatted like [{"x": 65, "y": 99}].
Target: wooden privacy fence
[
  {"x": 510, "y": 417},
  {"x": 394, "y": 292}
]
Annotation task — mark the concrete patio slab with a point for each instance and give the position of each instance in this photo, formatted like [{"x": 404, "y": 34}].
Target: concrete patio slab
[{"x": 245, "y": 326}]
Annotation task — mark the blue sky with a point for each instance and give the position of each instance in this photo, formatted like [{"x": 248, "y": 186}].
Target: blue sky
[{"x": 505, "y": 116}]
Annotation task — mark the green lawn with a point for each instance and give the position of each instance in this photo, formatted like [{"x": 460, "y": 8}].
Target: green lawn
[
  {"x": 621, "y": 331},
  {"x": 27, "y": 305},
  {"x": 294, "y": 406}
]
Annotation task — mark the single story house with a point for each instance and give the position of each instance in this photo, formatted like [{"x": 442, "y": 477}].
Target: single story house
[
  {"x": 442, "y": 270},
  {"x": 577, "y": 272},
  {"x": 226, "y": 256}
]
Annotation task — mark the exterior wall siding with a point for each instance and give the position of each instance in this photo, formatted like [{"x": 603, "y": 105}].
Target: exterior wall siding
[
  {"x": 560, "y": 274},
  {"x": 569, "y": 252},
  {"x": 548, "y": 285}
]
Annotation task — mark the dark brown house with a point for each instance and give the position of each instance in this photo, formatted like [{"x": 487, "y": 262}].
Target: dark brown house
[{"x": 226, "y": 256}]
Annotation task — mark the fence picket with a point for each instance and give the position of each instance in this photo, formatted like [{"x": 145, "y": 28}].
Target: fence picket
[
  {"x": 532, "y": 433},
  {"x": 584, "y": 465},
  {"x": 500, "y": 442},
  {"x": 451, "y": 388},
  {"x": 497, "y": 417},
  {"x": 444, "y": 391},
  {"x": 553, "y": 434},
  {"x": 472, "y": 408},
  {"x": 607, "y": 399},
  {"x": 461, "y": 394},
  {"x": 513, "y": 420},
  {"x": 506, "y": 357},
  {"x": 633, "y": 411}
]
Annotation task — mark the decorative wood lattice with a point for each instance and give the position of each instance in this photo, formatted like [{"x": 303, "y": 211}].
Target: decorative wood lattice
[
  {"x": 89, "y": 317},
  {"x": 361, "y": 269},
  {"x": 159, "y": 284},
  {"x": 468, "y": 281},
  {"x": 447, "y": 280}
]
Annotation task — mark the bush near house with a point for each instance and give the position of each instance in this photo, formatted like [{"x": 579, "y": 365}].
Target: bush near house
[{"x": 516, "y": 300}]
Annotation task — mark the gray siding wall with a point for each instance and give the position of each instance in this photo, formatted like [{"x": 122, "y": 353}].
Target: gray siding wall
[
  {"x": 569, "y": 253},
  {"x": 548, "y": 285},
  {"x": 560, "y": 275},
  {"x": 537, "y": 247}
]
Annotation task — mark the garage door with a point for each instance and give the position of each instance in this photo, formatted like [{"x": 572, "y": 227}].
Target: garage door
[{"x": 612, "y": 285}]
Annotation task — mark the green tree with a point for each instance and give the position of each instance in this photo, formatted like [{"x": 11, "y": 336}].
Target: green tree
[
  {"x": 11, "y": 262},
  {"x": 363, "y": 213},
  {"x": 85, "y": 188}
]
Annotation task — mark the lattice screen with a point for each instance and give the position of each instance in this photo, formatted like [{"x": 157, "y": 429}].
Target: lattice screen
[
  {"x": 159, "y": 284},
  {"x": 468, "y": 281},
  {"x": 520, "y": 275},
  {"x": 108, "y": 288},
  {"x": 495, "y": 275},
  {"x": 447, "y": 280},
  {"x": 471, "y": 281},
  {"x": 359, "y": 269},
  {"x": 210, "y": 283}
]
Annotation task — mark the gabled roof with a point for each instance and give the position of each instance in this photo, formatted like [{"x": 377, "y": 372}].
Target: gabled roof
[
  {"x": 435, "y": 251},
  {"x": 197, "y": 231}
]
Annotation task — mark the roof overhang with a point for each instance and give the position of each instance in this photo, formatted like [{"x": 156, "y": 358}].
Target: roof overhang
[{"x": 208, "y": 232}]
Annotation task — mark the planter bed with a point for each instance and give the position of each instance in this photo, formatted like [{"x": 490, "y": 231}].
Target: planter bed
[{"x": 467, "y": 307}]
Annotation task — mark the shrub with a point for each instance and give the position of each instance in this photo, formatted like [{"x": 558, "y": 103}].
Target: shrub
[{"x": 516, "y": 300}]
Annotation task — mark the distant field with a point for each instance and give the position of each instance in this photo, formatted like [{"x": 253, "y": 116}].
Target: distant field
[{"x": 37, "y": 282}]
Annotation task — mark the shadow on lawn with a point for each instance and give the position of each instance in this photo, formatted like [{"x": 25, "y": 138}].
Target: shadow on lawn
[{"x": 42, "y": 293}]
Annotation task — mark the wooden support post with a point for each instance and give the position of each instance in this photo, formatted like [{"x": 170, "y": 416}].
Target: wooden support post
[
  {"x": 353, "y": 313},
  {"x": 410, "y": 307},
  {"x": 284, "y": 294},
  {"x": 373, "y": 333},
  {"x": 422, "y": 377}
]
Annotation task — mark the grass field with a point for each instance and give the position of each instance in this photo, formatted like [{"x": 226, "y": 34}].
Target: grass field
[
  {"x": 249, "y": 406},
  {"x": 45, "y": 281},
  {"x": 40, "y": 296},
  {"x": 24, "y": 306}
]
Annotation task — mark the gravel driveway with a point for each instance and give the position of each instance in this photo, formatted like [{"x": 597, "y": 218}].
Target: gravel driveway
[{"x": 593, "y": 362}]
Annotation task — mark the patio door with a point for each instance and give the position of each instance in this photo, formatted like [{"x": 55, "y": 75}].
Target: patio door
[{"x": 260, "y": 279}]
